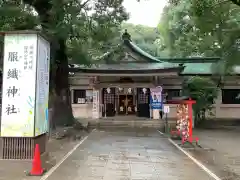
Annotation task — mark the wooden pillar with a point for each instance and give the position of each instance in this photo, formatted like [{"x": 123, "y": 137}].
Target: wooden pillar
[
  {"x": 156, "y": 80},
  {"x": 72, "y": 96},
  {"x": 95, "y": 107},
  {"x": 100, "y": 102},
  {"x": 116, "y": 101}
]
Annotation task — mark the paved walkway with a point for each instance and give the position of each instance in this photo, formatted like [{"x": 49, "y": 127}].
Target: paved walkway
[
  {"x": 224, "y": 156},
  {"x": 225, "y": 142},
  {"x": 127, "y": 156}
]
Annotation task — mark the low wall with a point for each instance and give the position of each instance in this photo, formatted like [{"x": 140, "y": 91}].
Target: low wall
[
  {"x": 82, "y": 110},
  {"x": 85, "y": 111},
  {"x": 220, "y": 112},
  {"x": 228, "y": 111}
]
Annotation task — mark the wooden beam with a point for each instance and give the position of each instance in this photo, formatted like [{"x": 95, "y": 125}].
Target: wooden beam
[{"x": 163, "y": 75}]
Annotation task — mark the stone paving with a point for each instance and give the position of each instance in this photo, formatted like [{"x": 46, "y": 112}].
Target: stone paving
[
  {"x": 129, "y": 155},
  {"x": 224, "y": 154}
]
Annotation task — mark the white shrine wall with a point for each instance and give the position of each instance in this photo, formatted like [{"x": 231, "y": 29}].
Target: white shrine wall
[{"x": 220, "y": 111}]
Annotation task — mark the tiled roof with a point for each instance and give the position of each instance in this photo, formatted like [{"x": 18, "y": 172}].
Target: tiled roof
[
  {"x": 137, "y": 49},
  {"x": 130, "y": 66},
  {"x": 197, "y": 68},
  {"x": 189, "y": 68},
  {"x": 204, "y": 69},
  {"x": 191, "y": 65},
  {"x": 191, "y": 59}
]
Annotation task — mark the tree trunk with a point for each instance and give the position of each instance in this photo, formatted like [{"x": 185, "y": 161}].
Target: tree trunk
[{"x": 62, "y": 109}]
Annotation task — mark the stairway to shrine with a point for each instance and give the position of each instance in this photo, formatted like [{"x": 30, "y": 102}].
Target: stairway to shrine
[{"x": 129, "y": 122}]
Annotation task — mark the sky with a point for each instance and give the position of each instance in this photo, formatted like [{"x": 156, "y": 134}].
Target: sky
[{"x": 145, "y": 12}]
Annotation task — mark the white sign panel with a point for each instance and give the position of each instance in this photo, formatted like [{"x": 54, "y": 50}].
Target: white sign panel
[
  {"x": 81, "y": 100},
  {"x": 89, "y": 96},
  {"x": 42, "y": 86},
  {"x": 18, "y": 94},
  {"x": 95, "y": 108},
  {"x": 19, "y": 85},
  {"x": 166, "y": 109}
]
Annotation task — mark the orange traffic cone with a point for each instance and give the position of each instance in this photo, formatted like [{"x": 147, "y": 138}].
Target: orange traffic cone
[{"x": 37, "y": 169}]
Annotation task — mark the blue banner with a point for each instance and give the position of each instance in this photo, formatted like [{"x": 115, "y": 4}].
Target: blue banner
[{"x": 156, "y": 98}]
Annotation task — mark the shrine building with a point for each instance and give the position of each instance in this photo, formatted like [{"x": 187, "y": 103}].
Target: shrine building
[{"x": 119, "y": 84}]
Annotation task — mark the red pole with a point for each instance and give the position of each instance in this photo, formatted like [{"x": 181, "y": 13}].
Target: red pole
[
  {"x": 190, "y": 113},
  {"x": 190, "y": 118}
]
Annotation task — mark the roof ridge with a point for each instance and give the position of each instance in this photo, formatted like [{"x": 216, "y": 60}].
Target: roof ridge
[{"x": 137, "y": 49}]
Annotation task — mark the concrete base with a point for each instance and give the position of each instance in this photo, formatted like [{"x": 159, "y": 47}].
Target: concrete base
[
  {"x": 125, "y": 122},
  {"x": 156, "y": 114},
  {"x": 21, "y": 147}
]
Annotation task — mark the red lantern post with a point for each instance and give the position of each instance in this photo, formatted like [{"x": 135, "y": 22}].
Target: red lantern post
[
  {"x": 186, "y": 135},
  {"x": 190, "y": 103}
]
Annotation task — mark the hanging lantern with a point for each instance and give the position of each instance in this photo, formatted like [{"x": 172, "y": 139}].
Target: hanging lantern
[
  {"x": 144, "y": 90},
  {"x": 95, "y": 79},
  {"x": 120, "y": 89},
  {"x": 129, "y": 90},
  {"x": 121, "y": 109},
  {"x": 108, "y": 90},
  {"x": 126, "y": 56},
  {"x": 160, "y": 88}
]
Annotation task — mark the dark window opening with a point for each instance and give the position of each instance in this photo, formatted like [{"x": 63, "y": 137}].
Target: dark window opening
[
  {"x": 79, "y": 96},
  {"x": 171, "y": 93},
  {"x": 230, "y": 96}
]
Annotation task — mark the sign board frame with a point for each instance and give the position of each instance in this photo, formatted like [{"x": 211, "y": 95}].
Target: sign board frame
[
  {"x": 156, "y": 100},
  {"x": 25, "y": 89},
  {"x": 166, "y": 109}
]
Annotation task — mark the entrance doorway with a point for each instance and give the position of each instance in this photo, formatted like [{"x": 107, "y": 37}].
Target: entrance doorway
[
  {"x": 126, "y": 105},
  {"x": 108, "y": 102},
  {"x": 143, "y": 99}
]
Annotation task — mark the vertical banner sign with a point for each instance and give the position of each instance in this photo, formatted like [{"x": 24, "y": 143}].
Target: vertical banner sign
[
  {"x": 95, "y": 108},
  {"x": 156, "y": 98},
  {"x": 42, "y": 86},
  {"x": 20, "y": 105}
]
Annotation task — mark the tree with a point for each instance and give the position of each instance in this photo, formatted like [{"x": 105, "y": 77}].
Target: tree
[
  {"x": 237, "y": 2},
  {"x": 15, "y": 16},
  {"x": 224, "y": 25},
  {"x": 145, "y": 37},
  {"x": 77, "y": 30},
  {"x": 200, "y": 28},
  {"x": 204, "y": 91}
]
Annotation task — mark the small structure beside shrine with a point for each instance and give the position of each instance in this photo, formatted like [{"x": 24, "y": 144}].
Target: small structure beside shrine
[{"x": 25, "y": 91}]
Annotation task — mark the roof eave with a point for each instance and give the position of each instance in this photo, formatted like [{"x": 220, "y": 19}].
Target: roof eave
[
  {"x": 129, "y": 43},
  {"x": 191, "y": 60},
  {"x": 132, "y": 71},
  {"x": 195, "y": 74}
]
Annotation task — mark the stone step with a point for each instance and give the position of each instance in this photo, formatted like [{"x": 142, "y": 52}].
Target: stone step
[
  {"x": 133, "y": 124},
  {"x": 124, "y": 122}
]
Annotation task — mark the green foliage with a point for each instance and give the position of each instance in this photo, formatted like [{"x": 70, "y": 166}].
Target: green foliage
[
  {"x": 201, "y": 28},
  {"x": 15, "y": 16},
  {"x": 87, "y": 27},
  {"x": 78, "y": 31},
  {"x": 204, "y": 91},
  {"x": 237, "y": 2},
  {"x": 147, "y": 38}
]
